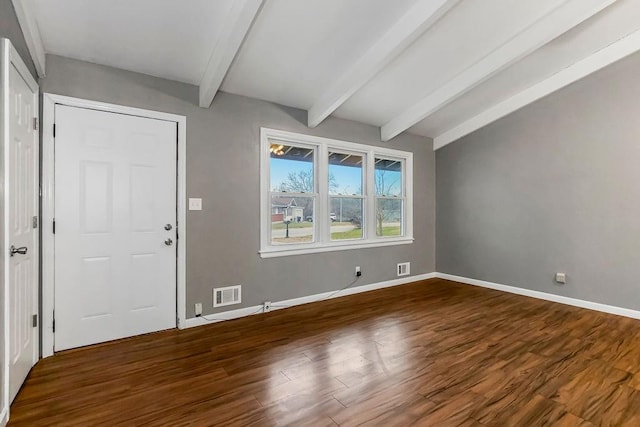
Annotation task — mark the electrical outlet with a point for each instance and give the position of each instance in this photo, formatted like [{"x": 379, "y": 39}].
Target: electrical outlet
[
  {"x": 358, "y": 271},
  {"x": 561, "y": 278},
  {"x": 403, "y": 269},
  {"x": 266, "y": 306},
  {"x": 198, "y": 309}
]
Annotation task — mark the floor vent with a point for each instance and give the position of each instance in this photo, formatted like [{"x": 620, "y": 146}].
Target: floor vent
[
  {"x": 227, "y": 296},
  {"x": 404, "y": 269}
]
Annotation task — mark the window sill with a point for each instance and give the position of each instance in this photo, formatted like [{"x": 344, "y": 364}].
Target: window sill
[{"x": 279, "y": 252}]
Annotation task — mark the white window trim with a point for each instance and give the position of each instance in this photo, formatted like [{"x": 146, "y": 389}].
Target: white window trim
[{"x": 322, "y": 242}]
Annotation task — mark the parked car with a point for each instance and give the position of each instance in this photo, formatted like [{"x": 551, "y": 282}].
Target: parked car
[{"x": 332, "y": 217}]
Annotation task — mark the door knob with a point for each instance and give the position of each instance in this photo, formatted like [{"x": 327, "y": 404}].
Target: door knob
[
  {"x": 168, "y": 242},
  {"x": 168, "y": 227},
  {"x": 13, "y": 250}
]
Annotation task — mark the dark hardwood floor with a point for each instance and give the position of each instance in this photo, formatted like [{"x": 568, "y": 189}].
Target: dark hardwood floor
[{"x": 431, "y": 353}]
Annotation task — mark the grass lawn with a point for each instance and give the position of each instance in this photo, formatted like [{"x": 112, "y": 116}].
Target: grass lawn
[
  {"x": 283, "y": 226},
  {"x": 290, "y": 240},
  {"x": 393, "y": 230},
  {"x": 356, "y": 233},
  {"x": 303, "y": 224}
]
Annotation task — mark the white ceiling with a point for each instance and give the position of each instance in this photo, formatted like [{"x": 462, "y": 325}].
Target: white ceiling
[
  {"x": 437, "y": 68},
  {"x": 295, "y": 49},
  {"x": 164, "y": 38},
  {"x": 594, "y": 34},
  {"x": 448, "y": 48}
]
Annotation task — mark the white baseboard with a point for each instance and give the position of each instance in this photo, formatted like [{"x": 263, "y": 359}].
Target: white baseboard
[
  {"x": 256, "y": 309},
  {"x": 626, "y": 312}
]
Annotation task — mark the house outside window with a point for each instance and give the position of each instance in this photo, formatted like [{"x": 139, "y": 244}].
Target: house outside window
[{"x": 320, "y": 194}]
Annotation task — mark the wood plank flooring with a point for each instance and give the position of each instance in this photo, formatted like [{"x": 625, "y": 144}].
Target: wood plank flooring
[{"x": 433, "y": 353}]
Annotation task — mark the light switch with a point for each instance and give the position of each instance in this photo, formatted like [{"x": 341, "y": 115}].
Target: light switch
[{"x": 195, "y": 204}]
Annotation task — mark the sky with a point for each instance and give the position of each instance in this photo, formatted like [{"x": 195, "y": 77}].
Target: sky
[{"x": 348, "y": 179}]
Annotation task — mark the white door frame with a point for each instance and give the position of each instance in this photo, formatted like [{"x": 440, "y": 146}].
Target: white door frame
[
  {"x": 48, "y": 203},
  {"x": 9, "y": 57}
]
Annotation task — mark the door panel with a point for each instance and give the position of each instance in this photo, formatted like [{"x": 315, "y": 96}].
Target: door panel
[
  {"x": 96, "y": 197},
  {"x": 22, "y": 189},
  {"x": 115, "y": 178}
]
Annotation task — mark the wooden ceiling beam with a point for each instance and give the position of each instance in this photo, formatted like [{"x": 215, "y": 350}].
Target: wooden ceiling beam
[
  {"x": 235, "y": 29},
  {"x": 393, "y": 42},
  {"x": 556, "y": 22}
]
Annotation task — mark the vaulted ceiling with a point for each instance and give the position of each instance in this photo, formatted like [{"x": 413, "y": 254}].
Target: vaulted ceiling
[{"x": 436, "y": 68}]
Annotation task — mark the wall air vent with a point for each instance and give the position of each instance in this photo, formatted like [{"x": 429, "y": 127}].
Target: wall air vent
[
  {"x": 404, "y": 269},
  {"x": 228, "y": 295}
]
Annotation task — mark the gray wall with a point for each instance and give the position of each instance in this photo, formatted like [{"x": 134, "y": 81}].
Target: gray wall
[
  {"x": 223, "y": 168},
  {"x": 10, "y": 29},
  {"x": 552, "y": 187}
]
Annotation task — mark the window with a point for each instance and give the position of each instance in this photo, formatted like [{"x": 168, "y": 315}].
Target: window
[
  {"x": 320, "y": 194},
  {"x": 346, "y": 199},
  {"x": 389, "y": 197},
  {"x": 293, "y": 193}
]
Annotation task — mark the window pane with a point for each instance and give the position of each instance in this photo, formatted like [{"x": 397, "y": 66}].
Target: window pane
[
  {"x": 295, "y": 214},
  {"x": 388, "y": 178},
  {"x": 345, "y": 174},
  {"x": 291, "y": 168},
  {"x": 388, "y": 217},
  {"x": 346, "y": 218}
]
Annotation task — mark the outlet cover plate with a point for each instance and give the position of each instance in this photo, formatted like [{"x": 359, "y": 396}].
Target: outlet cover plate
[{"x": 195, "y": 204}]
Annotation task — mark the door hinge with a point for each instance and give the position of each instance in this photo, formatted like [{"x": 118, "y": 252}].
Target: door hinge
[
  {"x": 54, "y": 130},
  {"x": 34, "y": 222},
  {"x": 34, "y": 321},
  {"x": 54, "y": 226},
  {"x": 35, "y": 123},
  {"x": 54, "y": 321}
]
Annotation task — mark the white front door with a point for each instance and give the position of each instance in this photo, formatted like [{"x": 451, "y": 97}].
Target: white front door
[
  {"x": 22, "y": 177},
  {"x": 115, "y": 226}
]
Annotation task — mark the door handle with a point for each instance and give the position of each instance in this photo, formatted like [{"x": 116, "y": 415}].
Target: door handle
[
  {"x": 13, "y": 250},
  {"x": 168, "y": 242}
]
